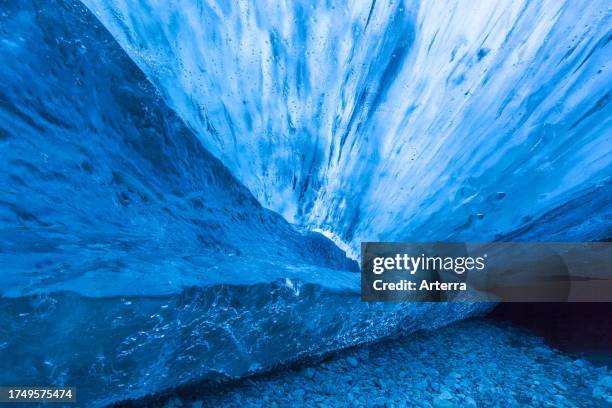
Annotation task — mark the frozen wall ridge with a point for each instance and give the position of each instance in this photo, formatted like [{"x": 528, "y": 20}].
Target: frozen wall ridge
[{"x": 392, "y": 121}]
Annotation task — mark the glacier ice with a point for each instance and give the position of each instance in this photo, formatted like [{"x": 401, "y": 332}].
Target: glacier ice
[
  {"x": 132, "y": 261},
  {"x": 135, "y": 252},
  {"x": 404, "y": 120}
]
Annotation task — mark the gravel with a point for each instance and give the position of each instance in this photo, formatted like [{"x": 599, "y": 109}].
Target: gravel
[{"x": 475, "y": 363}]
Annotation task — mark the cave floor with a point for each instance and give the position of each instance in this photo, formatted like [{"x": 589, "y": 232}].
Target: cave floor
[{"x": 475, "y": 363}]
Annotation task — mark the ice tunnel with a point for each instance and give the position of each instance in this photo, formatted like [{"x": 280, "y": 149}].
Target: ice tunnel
[{"x": 180, "y": 186}]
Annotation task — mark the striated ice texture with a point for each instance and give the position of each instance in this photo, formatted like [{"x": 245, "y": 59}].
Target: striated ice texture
[
  {"x": 394, "y": 120},
  {"x": 144, "y": 171}
]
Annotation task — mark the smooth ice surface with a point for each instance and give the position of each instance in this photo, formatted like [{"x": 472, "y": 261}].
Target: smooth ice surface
[{"x": 405, "y": 120}]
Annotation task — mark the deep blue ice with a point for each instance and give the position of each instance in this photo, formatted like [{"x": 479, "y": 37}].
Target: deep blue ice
[{"x": 170, "y": 176}]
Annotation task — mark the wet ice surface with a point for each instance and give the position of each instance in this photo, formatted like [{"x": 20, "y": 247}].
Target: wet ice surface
[
  {"x": 394, "y": 120},
  {"x": 475, "y": 363}
]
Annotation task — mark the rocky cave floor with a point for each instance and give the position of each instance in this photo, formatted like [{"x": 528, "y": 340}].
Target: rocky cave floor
[{"x": 475, "y": 363}]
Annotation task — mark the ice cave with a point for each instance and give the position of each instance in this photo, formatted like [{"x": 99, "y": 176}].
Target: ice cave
[{"x": 185, "y": 184}]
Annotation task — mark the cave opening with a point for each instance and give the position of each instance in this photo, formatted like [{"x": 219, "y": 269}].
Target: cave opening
[{"x": 582, "y": 329}]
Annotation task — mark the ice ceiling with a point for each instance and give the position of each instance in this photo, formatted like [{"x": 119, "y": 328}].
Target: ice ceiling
[{"x": 395, "y": 120}]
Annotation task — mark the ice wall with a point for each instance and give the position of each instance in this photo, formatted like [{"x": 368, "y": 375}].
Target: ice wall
[
  {"x": 405, "y": 120},
  {"x": 95, "y": 168}
]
